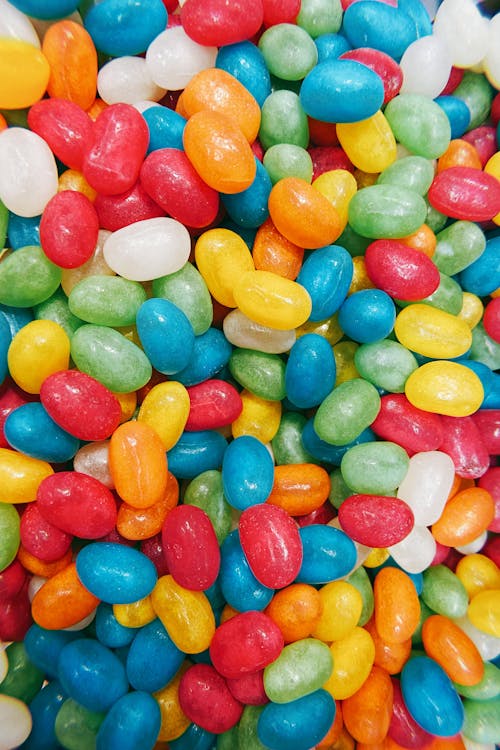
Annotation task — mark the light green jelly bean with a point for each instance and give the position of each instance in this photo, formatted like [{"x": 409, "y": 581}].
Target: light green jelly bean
[
  {"x": 23, "y": 680},
  {"x": 486, "y": 689},
  {"x": 9, "y": 534},
  {"x": 28, "y": 277},
  {"x": 301, "y": 668},
  {"x": 347, "y": 411},
  {"x": 425, "y": 612},
  {"x": 4, "y": 223},
  {"x": 320, "y": 16},
  {"x": 482, "y": 720},
  {"x": 361, "y": 581},
  {"x": 374, "y": 468},
  {"x": 109, "y": 357},
  {"x": 444, "y": 592},
  {"x": 248, "y": 738},
  {"x": 435, "y": 220},
  {"x": 484, "y": 349},
  {"x": 339, "y": 490},
  {"x": 259, "y": 372},
  {"x": 76, "y": 727},
  {"x": 56, "y": 308},
  {"x": 387, "y": 364},
  {"x": 419, "y": 124},
  {"x": 386, "y": 211},
  {"x": 107, "y": 300},
  {"x": 205, "y": 491},
  {"x": 412, "y": 172},
  {"x": 287, "y": 160},
  {"x": 458, "y": 246},
  {"x": 283, "y": 120},
  {"x": 353, "y": 242},
  {"x": 287, "y": 443},
  {"x": 448, "y": 296},
  {"x": 186, "y": 288},
  {"x": 289, "y": 51},
  {"x": 477, "y": 93},
  {"x": 228, "y": 740}
]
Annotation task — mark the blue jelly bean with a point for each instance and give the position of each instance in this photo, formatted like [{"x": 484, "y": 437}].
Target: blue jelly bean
[
  {"x": 484, "y": 373},
  {"x": 23, "y": 231},
  {"x": 194, "y": 738},
  {"x": 47, "y": 9},
  {"x": 133, "y": 723},
  {"x": 211, "y": 352},
  {"x": 135, "y": 24},
  {"x": 24, "y": 426},
  {"x": 492, "y": 398},
  {"x": 109, "y": 631},
  {"x": 331, "y": 46},
  {"x": 373, "y": 24},
  {"x": 43, "y": 709},
  {"x": 92, "y": 674},
  {"x": 44, "y": 646},
  {"x": 482, "y": 276},
  {"x": 153, "y": 658},
  {"x": 327, "y": 453},
  {"x": 341, "y": 91},
  {"x": 249, "y": 207},
  {"x": 326, "y": 274},
  {"x": 247, "y": 472},
  {"x": 329, "y": 554},
  {"x": 310, "y": 371},
  {"x": 196, "y": 452},
  {"x": 5, "y": 339},
  {"x": 246, "y": 63},
  {"x": 247, "y": 234},
  {"x": 166, "y": 335},
  {"x": 165, "y": 128},
  {"x": 16, "y": 317},
  {"x": 367, "y": 316},
  {"x": 430, "y": 697},
  {"x": 457, "y": 112},
  {"x": 215, "y": 596},
  {"x": 240, "y": 587},
  {"x": 296, "y": 725},
  {"x": 419, "y": 15},
  {"x": 115, "y": 573}
]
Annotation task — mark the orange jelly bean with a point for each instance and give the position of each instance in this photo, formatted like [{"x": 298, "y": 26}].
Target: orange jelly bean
[
  {"x": 360, "y": 279},
  {"x": 73, "y": 180},
  {"x": 41, "y": 567},
  {"x": 422, "y": 239},
  {"x": 459, "y": 153},
  {"x": 367, "y": 713},
  {"x": 143, "y": 523},
  {"x": 299, "y": 488},
  {"x": 62, "y": 601},
  {"x": 335, "y": 730},
  {"x": 397, "y": 607},
  {"x": 452, "y": 648},
  {"x": 173, "y": 719},
  {"x": 73, "y": 63},
  {"x": 273, "y": 252},
  {"x": 296, "y": 610},
  {"x": 465, "y": 516},
  {"x": 389, "y": 656},
  {"x": 138, "y": 464}
]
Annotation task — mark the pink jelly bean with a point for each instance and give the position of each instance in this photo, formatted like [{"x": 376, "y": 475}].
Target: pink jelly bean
[
  {"x": 484, "y": 140},
  {"x": 215, "y": 23},
  {"x": 382, "y": 64},
  {"x": 488, "y": 422},
  {"x": 491, "y": 319},
  {"x": 465, "y": 193},
  {"x": 247, "y": 642},
  {"x": 462, "y": 441},
  {"x": 190, "y": 547},
  {"x": 401, "y": 271},
  {"x": 206, "y": 699},
  {"x": 118, "y": 211},
  {"x": 69, "y": 229},
  {"x": 15, "y": 615},
  {"x": 413, "y": 429},
  {"x": 491, "y": 549},
  {"x": 12, "y": 579},
  {"x": 376, "y": 520},
  {"x": 403, "y": 728},
  {"x": 41, "y": 538},
  {"x": 65, "y": 126},
  {"x": 327, "y": 158},
  {"x": 213, "y": 403},
  {"x": 491, "y": 481},
  {"x": 249, "y": 688},
  {"x": 455, "y": 78}
]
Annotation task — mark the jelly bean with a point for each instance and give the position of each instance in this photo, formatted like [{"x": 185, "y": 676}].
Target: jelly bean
[
  {"x": 477, "y": 573},
  {"x": 206, "y": 699},
  {"x": 439, "y": 334},
  {"x": 388, "y": 656},
  {"x": 29, "y": 472},
  {"x": 241, "y": 589},
  {"x": 434, "y": 120},
  {"x": 331, "y": 46},
  {"x": 16, "y": 25},
  {"x": 458, "y": 114},
  {"x": 465, "y": 193},
  {"x": 400, "y": 271},
  {"x": 386, "y": 364},
  {"x": 218, "y": 25},
  {"x": 97, "y": 568},
  {"x": 196, "y": 452},
  {"x": 109, "y": 631},
  {"x": 132, "y": 722},
  {"x": 261, "y": 373},
  {"x": 245, "y": 459},
  {"x": 427, "y": 485},
  {"x": 326, "y": 275},
  {"x": 153, "y": 647},
  {"x": 416, "y": 551},
  {"x": 118, "y": 211},
  {"x": 475, "y": 91},
  {"x": 213, "y": 404},
  {"x": 483, "y": 612},
  {"x": 426, "y": 66},
  {"x": 381, "y": 64},
  {"x": 287, "y": 160},
  {"x": 403, "y": 727},
  {"x": 452, "y": 649},
  {"x": 289, "y": 722},
  {"x": 481, "y": 721},
  {"x": 173, "y": 58},
  {"x": 125, "y": 20},
  {"x": 469, "y": 23},
  {"x": 186, "y": 531},
  {"x": 283, "y": 120},
  {"x": 486, "y": 688},
  {"x": 367, "y": 315},
  {"x": 300, "y": 669},
  {"x": 353, "y": 658},
  {"x": 24, "y": 154},
  {"x": 9, "y": 520},
  {"x": 186, "y": 615},
  {"x": 22, "y": 63},
  {"x": 72, "y": 56},
  {"x": 369, "y": 144},
  {"x": 444, "y": 593},
  {"x": 458, "y": 246},
  {"x": 481, "y": 274},
  {"x": 328, "y": 554},
  {"x": 64, "y": 126},
  {"x": 441, "y": 387},
  {"x": 299, "y": 488},
  {"x": 106, "y": 300},
  {"x": 44, "y": 708},
  {"x": 397, "y": 608},
  {"x": 166, "y": 335},
  {"x": 221, "y": 256},
  {"x": 297, "y": 610},
  {"x": 243, "y": 332},
  {"x": 350, "y": 407},
  {"x": 376, "y": 694},
  {"x": 62, "y": 601},
  {"x": 245, "y": 62},
  {"x": 73, "y": 719},
  {"x": 248, "y": 208},
  {"x": 186, "y": 288},
  {"x": 271, "y": 300},
  {"x": 341, "y": 609},
  {"x": 68, "y": 229},
  {"x": 165, "y": 128},
  {"x": 247, "y": 642},
  {"x": 127, "y": 79},
  {"x": 135, "y": 615},
  {"x": 287, "y": 443},
  {"x": 386, "y": 211},
  {"x": 357, "y": 509},
  {"x": 319, "y": 18},
  {"x": 430, "y": 697},
  {"x": 41, "y": 538},
  {"x": 459, "y": 153},
  {"x": 166, "y": 408},
  {"x": 16, "y": 721}
]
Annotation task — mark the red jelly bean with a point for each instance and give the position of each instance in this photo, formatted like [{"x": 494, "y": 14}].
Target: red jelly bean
[
  {"x": 463, "y": 443},
  {"x": 190, "y": 547},
  {"x": 247, "y": 642},
  {"x": 11, "y": 396},
  {"x": 153, "y": 548},
  {"x": 484, "y": 140},
  {"x": 492, "y": 549},
  {"x": 382, "y": 64},
  {"x": 12, "y": 579},
  {"x": 488, "y": 422},
  {"x": 118, "y": 211},
  {"x": 213, "y": 403},
  {"x": 120, "y": 138},
  {"x": 280, "y": 11},
  {"x": 495, "y": 110},
  {"x": 68, "y": 229},
  {"x": 65, "y": 126},
  {"x": 272, "y": 545},
  {"x": 206, "y": 699},
  {"x": 491, "y": 481},
  {"x": 215, "y": 23},
  {"x": 80, "y": 404},
  {"x": 401, "y": 271},
  {"x": 455, "y": 77},
  {"x": 491, "y": 319},
  {"x": 413, "y": 429},
  {"x": 77, "y": 504},
  {"x": 328, "y": 158},
  {"x": 249, "y": 688},
  {"x": 465, "y": 193},
  {"x": 15, "y": 615},
  {"x": 403, "y": 728},
  {"x": 376, "y": 520},
  {"x": 41, "y": 538}
]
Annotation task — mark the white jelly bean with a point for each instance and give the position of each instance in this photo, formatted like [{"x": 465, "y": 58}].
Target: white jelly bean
[
  {"x": 487, "y": 645},
  {"x": 82, "y": 624},
  {"x": 15, "y": 722},
  {"x": 416, "y": 551},
  {"x": 173, "y": 58},
  {"x": 475, "y": 546},
  {"x": 462, "y": 28},
  {"x": 35, "y": 584},
  {"x": 127, "y": 79},
  {"x": 245, "y": 333},
  {"x": 427, "y": 485},
  {"x": 491, "y": 63},
  {"x": 15, "y": 25},
  {"x": 426, "y": 66},
  {"x": 93, "y": 459}
]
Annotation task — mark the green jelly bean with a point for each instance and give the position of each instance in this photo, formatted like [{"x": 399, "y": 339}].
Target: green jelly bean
[
  {"x": 486, "y": 689},
  {"x": 9, "y": 534},
  {"x": 444, "y": 592},
  {"x": 482, "y": 720},
  {"x": 435, "y": 220},
  {"x": 374, "y": 468},
  {"x": 484, "y": 349},
  {"x": 425, "y": 612},
  {"x": 186, "y": 288},
  {"x": 28, "y": 277},
  {"x": 56, "y": 308},
  {"x": 458, "y": 246},
  {"x": 386, "y": 211},
  {"x": 109, "y": 357},
  {"x": 387, "y": 364},
  {"x": 247, "y": 736},
  {"x": 283, "y": 120},
  {"x": 412, "y": 172},
  {"x": 419, "y": 124},
  {"x": 228, "y": 740},
  {"x": 259, "y": 372},
  {"x": 320, "y": 16},
  {"x": 287, "y": 443},
  {"x": 4, "y": 223},
  {"x": 477, "y": 93},
  {"x": 339, "y": 490},
  {"x": 287, "y": 160},
  {"x": 448, "y": 296},
  {"x": 353, "y": 242},
  {"x": 107, "y": 300},
  {"x": 301, "y": 668},
  {"x": 289, "y": 51},
  {"x": 23, "y": 680},
  {"x": 347, "y": 411},
  {"x": 205, "y": 491},
  {"x": 76, "y": 727},
  {"x": 361, "y": 581}
]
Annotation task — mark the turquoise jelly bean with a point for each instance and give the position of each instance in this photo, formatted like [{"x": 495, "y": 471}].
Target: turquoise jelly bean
[
  {"x": 386, "y": 211},
  {"x": 320, "y": 16},
  {"x": 482, "y": 276},
  {"x": 166, "y": 335},
  {"x": 430, "y": 697},
  {"x": 196, "y": 452},
  {"x": 75, "y": 726},
  {"x": 56, "y": 308},
  {"x": 482, "y": 722},
  {"x": 331, "y": 46},
  {"x": 347, "y": 411},
  {"x": 300, "y": 669},
  {"x": 44, "y": 708},
  {"x": 23, "y": 231},
  {"x": 44, "y": 646},
  {"x": 387, "y": 364},
  {"x": 240, "y": 587},
  {"x": 246, "y": 63},
  {"x": 327, "y": 452},
  {"x": 382, "y": 27},
  {"x": 492, "y": 389},
  {"x": 299, "y": 724},
  {"x": 457, "y": 246},
  {"x": 107, "y": 300},
  {"x": 211, "y": 352},
  {"x": 288, "y": 50},
  {"x": 132, "y": 723},
  {"x": 165, "y": 128},
  {"x": 411, "y": 172},
  {"x": 24, "y": 426},
  {"x": 109, "y": 631},
  {"x": 329, "y": 554},
  {"x": 115, "y": 573},
  {"x": 15, "y": 317},
  {"x": 287, "y": 444},
  {"x": 194, "y": 738},
  {"x": 47, "y": 10},
  {"x": 476, "y": 92},
  {"x": 247, "y": 472},
  {"x": 91, "y": 674},
  {"x": 186, "y": 288},
  {"x": 259, "y": 372},
  {"x": 367, "y": 316},
  {"x": 5, "y": 339},
  {"x": 419, "y": 15},
  {"x": 28, "y": 277},
  {"x": 444, "y": 592},
  {"x": 286, "y": 160},
  {"x": 310, "y": 371},
  {"x": 457, "y": 112},
  {"x": 326, "y": 275},
  {"x": 375, "y": 468},
  {"x": 249, "y": 207},
  {"x": 9, "y": 533},
  {"x": 419, "y": 124},
  {"x": 153, "y": 659},
  {"x": 135, "y": 25},
  {"x": 283, "y": 120},
  {"x": 206, "y": 492}
]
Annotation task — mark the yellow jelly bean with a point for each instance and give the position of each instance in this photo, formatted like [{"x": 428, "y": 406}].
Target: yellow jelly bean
[
  {"x": 174, "y": 721},
  {"x": 432, "y": 332},
  {"x": 95, "y": 266},
  {"x": 259, "y": 418},
  {"x": 222, "y": 256},
  {"x": 369, "y": 144},
  {"x": 128, "y": 404},
  {"x": 344, "y": 353},
  {"x": 24, "y": 74},
  {"x": 492, "y": 166},
  {"x": 360, "y": 279},
  {"x": 166, "y": 409},
  {"x": 444, "y": 387},
  {"x": 478, "y": 573},
  {"x": 136, "y": 614},
  {"x": 186, "y": 615},
  {"x": 353, "y": 658},
  {"x": 377, "y": 557},
  {"x": 328, "y": 328},
  {"x": 472, "y": 309},
  {"x": 272, "y": 300},
  {"x": 20, "y": 476},
  {"x": 73, "y": 180},
  {"x": 484, "y": 611},
  {"x": 338, "y": 185},
  {"x": 37, "y": 350},
  {"x": 342, "y": 606}
]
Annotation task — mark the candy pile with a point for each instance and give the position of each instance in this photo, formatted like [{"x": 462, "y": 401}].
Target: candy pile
[{"x": 250, "y": 407}]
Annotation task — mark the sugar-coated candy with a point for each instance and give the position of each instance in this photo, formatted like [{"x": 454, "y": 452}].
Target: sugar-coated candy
[{"x": 291, "y": 721}]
